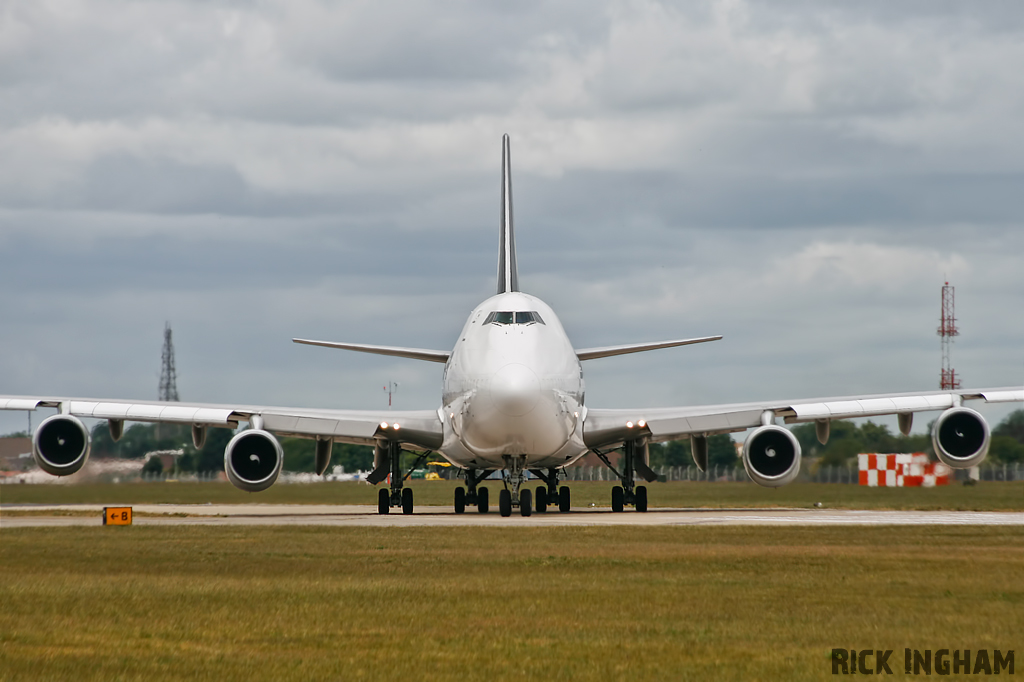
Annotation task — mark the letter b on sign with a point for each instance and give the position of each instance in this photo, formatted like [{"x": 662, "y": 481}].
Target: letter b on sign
[{"x": 117, "y": 516}]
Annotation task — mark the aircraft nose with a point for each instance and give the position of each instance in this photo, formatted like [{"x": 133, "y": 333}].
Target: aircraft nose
[{"x": 514, "y": 390}]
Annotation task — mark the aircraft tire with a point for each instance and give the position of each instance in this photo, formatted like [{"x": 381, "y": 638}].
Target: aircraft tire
[
  {"x": 505, "y": 503},
  {"x": 564, "y": 498},
  {"x": 482, "y": 501},
  {"x": 460, "y": 500},
  {"x": 542, "y": 500},
  {"x": 407, "y": 500},
  {"x": 641, "y": 498},
  {"x": 525, "y": 502},
  {"x": 617, "y": 499},
  {"x": 383, "y": 501}
]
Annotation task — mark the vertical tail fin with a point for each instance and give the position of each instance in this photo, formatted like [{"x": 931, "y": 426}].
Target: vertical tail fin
[{"x": 508, "y": 276}]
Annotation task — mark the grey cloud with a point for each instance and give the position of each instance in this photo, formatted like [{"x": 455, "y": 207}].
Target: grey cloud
[
  {"x": 256, "y": 172},
  {"x": 754, "y": 200},
  {"x": 432, "y": 41}
]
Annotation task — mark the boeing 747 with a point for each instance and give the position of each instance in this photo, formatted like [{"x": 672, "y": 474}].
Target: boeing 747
[{"x": 512, "y": 400}]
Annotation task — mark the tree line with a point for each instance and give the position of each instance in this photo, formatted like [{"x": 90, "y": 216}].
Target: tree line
[
  {"x": 141, "y": 439},
  {"x": 846, "y": 441}
]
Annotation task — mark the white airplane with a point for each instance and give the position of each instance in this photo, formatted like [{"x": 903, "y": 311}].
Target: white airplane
[{"x": 512, "y": 400}]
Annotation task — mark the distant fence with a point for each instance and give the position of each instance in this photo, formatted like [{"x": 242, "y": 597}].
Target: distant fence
[
  {"x": 821, "y": 474},
  {"x": 690, "y": 473},
  {"x": 202, "y": 477},
  {"x": 996, "y": 472}
]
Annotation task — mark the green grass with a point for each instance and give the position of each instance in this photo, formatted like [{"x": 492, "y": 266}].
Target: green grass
[
  {"x": 585, "y": 603},
  {"x": 984, "y": 496}
]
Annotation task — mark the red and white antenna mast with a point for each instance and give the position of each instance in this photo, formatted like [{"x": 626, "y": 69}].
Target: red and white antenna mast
[
  {"x": 947, "y": 330},
  {"x": 390, "y": 389}
]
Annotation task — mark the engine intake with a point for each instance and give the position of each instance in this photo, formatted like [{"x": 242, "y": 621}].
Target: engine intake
[
  {"x": 60, "y": 446},
  {"x": 960, "y": 437},
  {"x": 771, "y": 456},
  {"x": 253, "y": 460}
]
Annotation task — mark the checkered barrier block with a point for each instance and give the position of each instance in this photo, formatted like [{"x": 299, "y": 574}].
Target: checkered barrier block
[{"x": 902, "y": 470}]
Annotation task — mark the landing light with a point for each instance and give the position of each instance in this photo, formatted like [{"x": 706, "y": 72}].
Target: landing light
[
  {"x": 641, "y": 423},
  {"x": 395, "y": 426},
  {"x": 383, "y": 425},
  {"x": 629, "y": 425}
]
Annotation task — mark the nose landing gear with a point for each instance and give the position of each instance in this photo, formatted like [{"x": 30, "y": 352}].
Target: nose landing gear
[{"x": 515, "y": 474}]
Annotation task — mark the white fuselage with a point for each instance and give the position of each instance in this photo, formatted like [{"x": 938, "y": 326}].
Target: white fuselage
[{"x": 513, "y": 387}]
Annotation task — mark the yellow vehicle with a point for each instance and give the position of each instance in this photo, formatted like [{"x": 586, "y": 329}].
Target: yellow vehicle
[{"x": 435, "y": 468}]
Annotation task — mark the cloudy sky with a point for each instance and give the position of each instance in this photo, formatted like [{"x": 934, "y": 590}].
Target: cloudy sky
[{"x": 798, "y": 176}]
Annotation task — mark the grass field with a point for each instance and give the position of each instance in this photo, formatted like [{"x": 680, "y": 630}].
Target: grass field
[
  {"x": 984, "y": 496},
  {"x": 636, "y": 603}
]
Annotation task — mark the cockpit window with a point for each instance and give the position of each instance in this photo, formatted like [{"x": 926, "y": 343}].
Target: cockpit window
[
  {"x": 516, "y": 317},
  {"x": 527, "y": 318}
]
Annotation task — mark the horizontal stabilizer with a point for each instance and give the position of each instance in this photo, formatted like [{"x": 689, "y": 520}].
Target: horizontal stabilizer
[
  {"x": 607, "y": 351},
  {"x": 414, "y": 353}
]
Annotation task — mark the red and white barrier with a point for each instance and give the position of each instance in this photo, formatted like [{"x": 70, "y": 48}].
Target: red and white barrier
[{"x": 901, "y": 471}]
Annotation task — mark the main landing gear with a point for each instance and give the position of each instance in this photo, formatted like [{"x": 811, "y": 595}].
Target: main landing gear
[
  {"x": 515, "y": 495},
  {"x": 634, "y": 460},
  {"x": 551, "y": 494},
  {"x": 474, "y": 495},
  {"x": 387, "y": 460}
]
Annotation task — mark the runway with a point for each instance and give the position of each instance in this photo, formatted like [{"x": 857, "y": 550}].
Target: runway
[{"x": 22, "y": 516}]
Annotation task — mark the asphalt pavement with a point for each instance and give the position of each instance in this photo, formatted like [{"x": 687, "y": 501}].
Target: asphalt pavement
[{"x": 364, "y": 515}]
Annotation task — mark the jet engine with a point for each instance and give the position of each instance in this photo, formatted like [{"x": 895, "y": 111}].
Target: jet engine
[
  {"x": 60, "y": 445},
  {"x": 771, "y": 456},
  {"x": 960, "y": 437},
  {"x": 253, "y": 460}
]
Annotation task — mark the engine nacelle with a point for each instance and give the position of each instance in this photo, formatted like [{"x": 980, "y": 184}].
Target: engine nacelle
[
  {"x": 60, "y": 445},
  {"x": 253, "y": 460},
  {"x": 960, "y": 437},
  {"x": 771, "y": 456}
]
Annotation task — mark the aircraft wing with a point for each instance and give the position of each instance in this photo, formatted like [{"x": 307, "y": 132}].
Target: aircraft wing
[
  {"x": 604, "y": 427},
  {"x": 421, "y": 428},
  {"x": 397, "y": 351},
  {"x": 608, "y": 351}
]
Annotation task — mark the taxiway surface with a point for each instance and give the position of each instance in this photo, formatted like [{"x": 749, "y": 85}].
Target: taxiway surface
[{"x": 19, "y": 516}]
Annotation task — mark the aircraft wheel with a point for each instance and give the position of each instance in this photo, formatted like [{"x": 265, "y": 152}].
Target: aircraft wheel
[
  {"x": 617, "y": 498},
  {"x": 383, "y": 501},
  {"x": 481, "y": 501},
  {"x": 564, "y": 498},
  {"x": 505, "y": 503},
  {"x": 641, "y": 498},
  {"x": 525, "y": 502},
  {"x": 542, "y": 500},
  {"x": 460, "y": 500},
  {"x": 407, "y": 500}
]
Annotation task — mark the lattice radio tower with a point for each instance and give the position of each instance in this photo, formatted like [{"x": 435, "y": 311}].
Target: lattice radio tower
[
  {"x": 168, "y": 375},
  {"x": 947, "y": 330}
]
